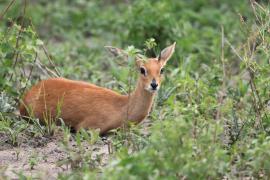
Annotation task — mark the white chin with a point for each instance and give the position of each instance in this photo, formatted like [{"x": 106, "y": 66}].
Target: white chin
[{"x": 151, "y": 90}]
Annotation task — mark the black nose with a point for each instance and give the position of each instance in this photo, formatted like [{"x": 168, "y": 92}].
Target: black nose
[{"x": 154, "y": 84}]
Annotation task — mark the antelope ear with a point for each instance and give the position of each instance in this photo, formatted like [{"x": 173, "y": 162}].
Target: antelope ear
[
  {"x": 166, "y": 53},
  {"x": 116, "y": 51}
]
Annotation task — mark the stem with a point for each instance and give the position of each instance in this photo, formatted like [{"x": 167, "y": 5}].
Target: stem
[
  {"x": 6, "y": 9},
  {"x": 223, "y": 87},
  {"x": 30, "y": 74},
  {"x": 50, "y": 60},
  {"x": 16, "y": 52}
]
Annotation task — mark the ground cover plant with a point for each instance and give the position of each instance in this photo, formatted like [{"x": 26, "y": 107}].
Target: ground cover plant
[{"x": 211, "y": 116}]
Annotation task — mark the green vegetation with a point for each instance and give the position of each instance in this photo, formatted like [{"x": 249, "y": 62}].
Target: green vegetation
[{"x": 211, "y": 118}]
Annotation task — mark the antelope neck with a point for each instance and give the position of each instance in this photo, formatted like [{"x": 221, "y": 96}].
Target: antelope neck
[{"x": 139, "y": 103}]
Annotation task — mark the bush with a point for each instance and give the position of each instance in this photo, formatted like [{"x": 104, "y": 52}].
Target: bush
[{"x": 179, "y": 155}]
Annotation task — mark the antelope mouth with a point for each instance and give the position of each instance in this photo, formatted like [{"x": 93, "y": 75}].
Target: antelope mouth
[{"x": 151, "y": 90}]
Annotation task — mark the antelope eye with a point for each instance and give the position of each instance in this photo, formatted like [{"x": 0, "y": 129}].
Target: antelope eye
[
  {"x": 161, "y": 70},
  {"x": 143, "y": 71}
]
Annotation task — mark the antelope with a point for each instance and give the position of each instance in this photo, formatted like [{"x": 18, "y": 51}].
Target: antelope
[{"x": 85, "y": 105}]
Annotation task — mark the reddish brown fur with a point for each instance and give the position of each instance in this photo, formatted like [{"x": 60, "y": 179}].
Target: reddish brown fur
[{"x": 84, "y": 105}]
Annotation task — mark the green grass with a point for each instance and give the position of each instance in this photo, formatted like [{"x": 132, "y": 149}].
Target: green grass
[{"x": 211, "y": 116}]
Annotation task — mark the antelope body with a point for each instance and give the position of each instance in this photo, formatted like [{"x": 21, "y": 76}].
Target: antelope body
[{"x": 84, "y": 105}]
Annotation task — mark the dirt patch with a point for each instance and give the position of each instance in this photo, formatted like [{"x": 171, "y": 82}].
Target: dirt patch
[
  {"x": 40, "y": 158},
  {"x": 45, "y": 157}
]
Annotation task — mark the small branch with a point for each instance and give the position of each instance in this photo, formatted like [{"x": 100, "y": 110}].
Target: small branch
[
  {"x": 252, "y": 2},
  {"x": 234, "y": 50},
  {"x": 257, "y": 102},
  {"x": 6, "y": 9},
  {"x": 50, "y": 60},
  {"x": 30, "y": 74},
  {"x": 16, "y": 52},
  {"x": 222, "y": 93},
  {"x": 45, "y": 69},
  {"x": 254, "y": 103},
  {"x": 57, "y": 73}
]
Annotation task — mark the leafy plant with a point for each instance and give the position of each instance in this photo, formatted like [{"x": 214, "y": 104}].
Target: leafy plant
[
  {"x": 12, "y": 129},
  {"x": 79, "y": 155}
]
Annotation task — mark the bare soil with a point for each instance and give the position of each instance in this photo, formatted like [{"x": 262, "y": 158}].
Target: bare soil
[
  {"x": 48, "y": 155},
  {"x": 45, "y": 153}
]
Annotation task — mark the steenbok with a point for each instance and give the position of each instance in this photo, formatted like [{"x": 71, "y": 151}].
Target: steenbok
[{"x": 85, "y": 105}]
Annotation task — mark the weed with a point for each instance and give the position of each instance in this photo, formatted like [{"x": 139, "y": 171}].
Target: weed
[
  {"x": 12, "y": 129},
  {"x": 33, "y": 161},
  {"x": 79, "y": 150}
]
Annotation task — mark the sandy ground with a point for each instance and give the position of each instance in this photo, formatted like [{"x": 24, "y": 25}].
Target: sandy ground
[{"x": 46, "y": 152}]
